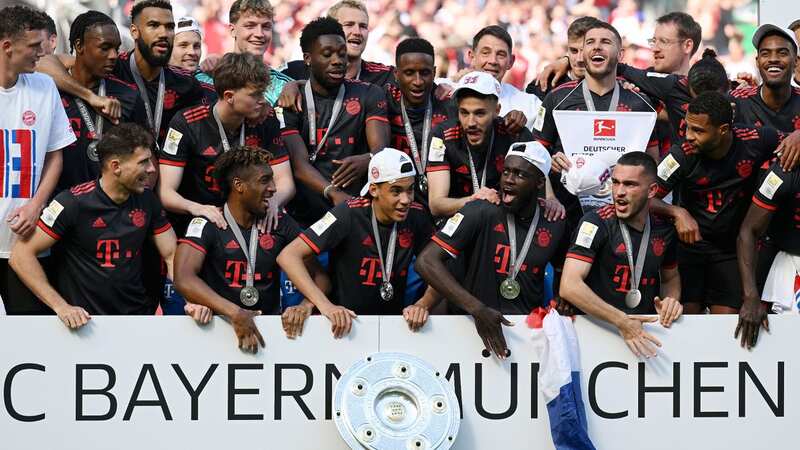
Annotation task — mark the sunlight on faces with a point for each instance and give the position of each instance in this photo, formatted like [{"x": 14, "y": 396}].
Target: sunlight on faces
[
  {"x": 133, "y": 171},
  {"x": 154, "y": 33},
  {"x": 669, "y": 50},
  {"x": 415, "y": 73},
  {"x": 25, "y": 50},
  {"x": 476, "y": 117},
  {"x": 575, "y": 55},
  {"x": 356, "y": 30},
  {"x": 393, "y": 199},
  {"x": 702, "y": 134},
  {"x": 99, "y": 49},
  {"x": 255, "y": 186},
  {"x": 601, "y": 52},
  {"x": 252, "y": 33},
  {"x": 328, "y": 60},
  {"x": 519, "y": 183},
  {"x": 776, "y": 61},
  {"x": 187, "y": 51},
  {"x": 248, "y": 101},
  {"x": 492, "y": 55},
  {"x": 631, "y": 189}
]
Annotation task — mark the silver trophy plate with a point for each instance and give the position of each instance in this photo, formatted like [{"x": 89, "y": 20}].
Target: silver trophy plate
[{"x": 395, "y": 401}]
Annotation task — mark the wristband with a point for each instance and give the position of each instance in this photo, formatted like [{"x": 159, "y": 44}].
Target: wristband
[{"x": 327, "y": 190}]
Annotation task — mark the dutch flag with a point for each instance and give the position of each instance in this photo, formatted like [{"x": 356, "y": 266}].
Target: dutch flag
[{"x": 560, "y": 382}]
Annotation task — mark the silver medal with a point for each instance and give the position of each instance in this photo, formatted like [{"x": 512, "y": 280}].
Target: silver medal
[
  {"x": 509, "y": 289},
  {"x": 248, "y": 296},
  {"x": 423, "y": 184},
  {"x": 386, "y": 291},
  {"x": 91, "y": 151},
  {"x": 633, "y": 298}
]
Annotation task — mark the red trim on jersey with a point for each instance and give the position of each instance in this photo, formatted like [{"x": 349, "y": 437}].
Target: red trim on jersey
[
  {"x": 83, "y": 188},
  {"x": 661, "y": 192},
  {"x": 47, "y": 230},
  {"x": 744, "y": 92},
  {"x": 308, "y": 242},
  {"x": 289, "y": 132},
  {"x": 416, "y": 205},
  {"x": 192, "y": 244},
  {"x": 162, "y": 229},
  {"x": 567, "y": 85},
  {"x": 125, "y": 83},
  {"x": 445, "y": 246},
  {"x": 544, "y": 142},
  {"x": 359, "y": 202},
  {"x": 171, "y": 163},
  {"x": 669, "y": 266},
  {"x": 378, "y": 118},
  {"x": 436, "y": 168},
  {"x": 587, "y": 259},
  {"x": 278, "y": 160},
  {"x": 763, "y": 205}
]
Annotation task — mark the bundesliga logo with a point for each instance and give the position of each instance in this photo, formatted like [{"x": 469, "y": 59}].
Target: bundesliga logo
[{"x": 605, "y": 127}]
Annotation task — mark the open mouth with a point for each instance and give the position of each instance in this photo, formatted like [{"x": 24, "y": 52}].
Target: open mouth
[
  {"x": 336, "y": 74},
  {"x": 598, "y": 59},
  {"x": 621, "y": 205},
  {"x": 355, "y": 41},
  {"x": 774, "y": 70}
]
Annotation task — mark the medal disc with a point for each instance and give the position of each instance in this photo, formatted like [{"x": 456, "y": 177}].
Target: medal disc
[
  {"x": 91, "y": 152},
  {"x": 423, "y": 184},
  {"x": 248, "y": 296},
  {"x": 633, "y": 298},
  {"x": 386, "y": 291},
  {"x": 509, "y": 289}
]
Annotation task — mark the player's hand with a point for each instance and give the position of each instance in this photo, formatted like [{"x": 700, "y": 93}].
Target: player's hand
[
  {"x": 630, "y": 86},
  {"x": 269, "y": 222},
  {"x": 246, "y": 331},
  {"x": 294, "y": 317},
  {"x": 752, "y": 316},
  {"x": 201, "y": 314},
  {"x": 639, "y": 341},
  {"x": 416, "y": 316},
  {"x": 515, "y": 121},
  {"x": 460, "y": 74},
  {"x": 746, "y": 79},
  {"x": 489, "y": 323},
  {"x": 211, "y": 213},
  {"x": 341, "y": 319},
  {"x": 22, "y": 220},
  {"x": 73, "y": 317},
  {"x": 565, "y": 308},
  {"x": 108, "y": 107},
  {"x": 561, "y": 163},
  {"x": 443, "y": 92},
  {"x": 789, "y": 151},
  {"x": 553, "y": 209},
  {"x": 668, "y": 309},
  {"x": 488, "y": 194},
  {"x": 210, "y": 63},
  {"x": 290, "y": 98},
  {"x": 350, "y": 169},
  {"x": 688, "y": 230},
  {"x": 552, "y": 73}
]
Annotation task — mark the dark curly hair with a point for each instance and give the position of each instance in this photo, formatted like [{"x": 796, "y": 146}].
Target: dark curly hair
[
  {"x": 85, "y": 21},
  {"x": 319, "y": 27},
  {"x": 236, "y": 162}
]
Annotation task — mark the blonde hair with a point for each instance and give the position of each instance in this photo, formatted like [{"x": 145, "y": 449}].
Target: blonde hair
[
  {"x": 259, "y": 7},
  {"x": 355, "y": 4}
]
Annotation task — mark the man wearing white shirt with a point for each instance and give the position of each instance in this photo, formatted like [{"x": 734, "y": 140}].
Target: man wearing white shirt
[{"x": 33, "y": 128}]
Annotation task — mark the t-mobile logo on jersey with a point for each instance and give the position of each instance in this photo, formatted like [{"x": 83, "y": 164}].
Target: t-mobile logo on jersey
[
  {"x": 605, "y": 127},
  {"x": 370, "y": 271},
  {"x": 236, "y": 273},
  {"x": 107, "y": 252}
]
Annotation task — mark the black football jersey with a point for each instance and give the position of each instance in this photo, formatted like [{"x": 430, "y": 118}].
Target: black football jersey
[
  {"x": 371, "y": 72},
  {"x": 752, "y": 111},
  {"x": 779, "y": 192}
]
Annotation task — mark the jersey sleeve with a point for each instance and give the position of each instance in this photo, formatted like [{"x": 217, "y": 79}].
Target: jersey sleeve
[
  {"x": 200, "y": 235},
  {"x": 160, "y": 223},
  {"x": 462, "y": 229},
  {"x": 773, "y": 187},
  {"x": 328, "y": 231},
  {"x": 544, "y": 127},
  {"x": 670, "y": 260},
  {"x": 669, "y": 170},
  {"x": 178, "y": 143},
  {"x": 770, "y": 139},
  {"x": 291, "y": 122},
  {"x": 656, "y": 85},
  {"x": 588, "y": 238},
  {"x": 288, "y": 228},
  {"x": 375, "y": 102},
  {"x": 273, "y": 140},
  {"x": 61, "y": 134},
  {"x": 59, "y": 216},
  {"x": 437, "y": 152},
  {"x": 424, "y": 228}
]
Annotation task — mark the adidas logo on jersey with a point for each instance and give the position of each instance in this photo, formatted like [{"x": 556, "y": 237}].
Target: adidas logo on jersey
[
  {"x": 99, "y": 223},
  {"x": 232, "y": 244},
  {"x": 209, "y": 151}
]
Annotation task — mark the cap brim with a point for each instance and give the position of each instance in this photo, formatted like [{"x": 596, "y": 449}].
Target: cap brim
[
  {"x": 365, "y": 189},
  {"x": 768, "y": 28}
]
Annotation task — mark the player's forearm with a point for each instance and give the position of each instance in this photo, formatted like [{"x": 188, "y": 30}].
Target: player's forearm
[
  {"x": 434, "y": 272},
  {"x": 291, "y": 261},
  {"x": 429, "y": 299},
  {"x": 447, "y": 206},
  {"x": 577, "y": 292},
  {"x": 24, "y": 262},
  {"x": 662, "y": 208},
  {"x": 195, "y": 290},
  {"x": 51, "y": 171},
  {"x": 378, "y": 134},
  {"x": 671, "y": 285},
  {"x": 53, "y": 66},
  {"x": 284, "y": 190},
  {"x": 746, "y": 255},
  {"x": 310, "y": 176},
  {"x": 654, "y": 152},
  {"x": 175, "y": 202}
]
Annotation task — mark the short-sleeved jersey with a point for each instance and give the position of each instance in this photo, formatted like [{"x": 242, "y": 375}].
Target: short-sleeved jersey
[
  {"x": 448, "y": 151},
  {"x": 78, "y": 168},
  {"x": 32, "y": 123},
  {"x": 225, "y": 266},
  {"x": 371, "y": 72},
  {"x": 101, "y": 242},
  {"x": 194, "y": 143},
  {"x": 478, "y": 234},
  {"x": 716, "y": 192},
  {"x": 672, "y": 90},
  {"x": 277, "y": 81},
  {"x": 779, "y": 192},
  {"x": 363, "y": 102},
  {"x": 599, "y": 242},
  {"x": 346, "y": 232},
  {"x": 399, "y": 139},
  {"x": 752, "y": 111},
  {"x": 181, "y": 90}
]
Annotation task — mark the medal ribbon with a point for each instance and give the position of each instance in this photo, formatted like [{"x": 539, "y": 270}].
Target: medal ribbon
[
  {"x": 386, "y": 266},
  {"x": 97, "y": 132},
  {"x": 638, "y": 267},
  {"x": 420, "y": 153},
  {"x": 249, "y": 251},
  {"x": 155, "y": 123},
  {"x": 518, "y": 259},
  {"x": 223, "y": 134},
  {"x": 312, "y": 118},
  {"x": 473, "y": 173},
  {"x": 587, "y": 97}
]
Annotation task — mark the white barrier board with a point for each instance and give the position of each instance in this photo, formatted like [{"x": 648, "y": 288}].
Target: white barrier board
[{"x": 56, "y": 392}]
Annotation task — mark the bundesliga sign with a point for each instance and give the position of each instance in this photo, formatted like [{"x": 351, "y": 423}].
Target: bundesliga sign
[{"x": 587, "y": 134}]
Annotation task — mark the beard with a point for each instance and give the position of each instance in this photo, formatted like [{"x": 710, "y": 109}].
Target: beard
[{"x": 152, "y": 58}]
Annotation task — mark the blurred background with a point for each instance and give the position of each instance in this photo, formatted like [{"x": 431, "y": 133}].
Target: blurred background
[{"x": 537, "y": 26}]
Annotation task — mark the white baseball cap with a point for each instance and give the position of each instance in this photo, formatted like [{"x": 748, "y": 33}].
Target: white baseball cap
[
  {"x": 388, "y": 165},
  {"x": 533, "y": 152},
  {"x": 187, "y": 23},
  {"x": 763, "y": 30},
  {"x": 589, "y": 175},
  {"x": 480, "y": 82}
]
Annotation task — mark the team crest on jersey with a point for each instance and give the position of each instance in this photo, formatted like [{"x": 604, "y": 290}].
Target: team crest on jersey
[
  {"x": 499, "y": 163},
  {"x": 658, "y": 246},
  {"x": 252, "y": 140},
  {"x": 170, "y": 97},
  {"x": 138, "y": 217},
  {"x": 500, "y": 228},
  {"x": 266, "y": 241},
  {"x": 745, "y": 168},
  {"x": 405, "y": 237},
  {"x": 543, "y": 237},
  {"x": 353, "y": 106},
  {"x": 703, "y": 181},
  {"x": 796, "y": 122},
  {"x": 29, "y": 118}
]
